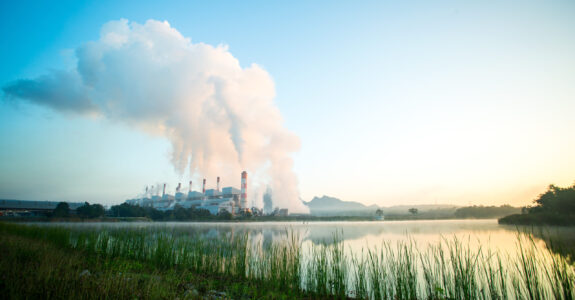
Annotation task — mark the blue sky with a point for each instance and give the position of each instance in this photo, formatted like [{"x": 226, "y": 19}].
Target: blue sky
[{"x": 394, "y": 102}]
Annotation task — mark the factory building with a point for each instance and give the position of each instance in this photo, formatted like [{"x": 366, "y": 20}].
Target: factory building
[
  {"x": 31, "y": 208},
  {"x": 228, "y": 199}
]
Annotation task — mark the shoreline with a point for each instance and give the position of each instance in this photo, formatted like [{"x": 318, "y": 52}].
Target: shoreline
[{"x": 237, "y": 220}]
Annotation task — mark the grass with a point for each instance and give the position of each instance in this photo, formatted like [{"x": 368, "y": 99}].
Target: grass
[
  {"x": 39, "y": 270},
  {"x": 49, "y": 262}
]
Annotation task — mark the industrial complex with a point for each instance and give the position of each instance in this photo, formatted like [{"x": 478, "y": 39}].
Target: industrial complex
[
  {"x": 26, "y": 208},
  {"x": 216, "y": 201}
]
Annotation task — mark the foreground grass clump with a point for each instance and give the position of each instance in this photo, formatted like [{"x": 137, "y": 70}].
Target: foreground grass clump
[
  {"x": 167, "y": 263},
  {"x": 37, "y": 270},
  {"x": 44, "y": 263}
]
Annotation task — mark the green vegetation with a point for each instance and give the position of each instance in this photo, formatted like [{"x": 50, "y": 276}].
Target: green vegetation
[
  {"x": 90, "y": 211},
  {"x": 179, "y": 213},
  {"x": 169, "y": 263},
  {"x": 48, "y": 262},
  {"x": 128, "y": 212},
  {"x": 554, "y": 207},
  {"x": 62, "y": 210},
  {"x": 486, "y": 212}
]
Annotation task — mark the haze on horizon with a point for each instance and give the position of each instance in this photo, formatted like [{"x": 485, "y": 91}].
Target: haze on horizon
[{"x": 385, "y": 103}]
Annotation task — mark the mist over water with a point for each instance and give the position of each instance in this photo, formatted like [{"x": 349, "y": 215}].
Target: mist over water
[{"x": 355, "y": 235}]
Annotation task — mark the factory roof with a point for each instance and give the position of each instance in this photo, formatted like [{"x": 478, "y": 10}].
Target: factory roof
[{"x": 34, "y": 205}]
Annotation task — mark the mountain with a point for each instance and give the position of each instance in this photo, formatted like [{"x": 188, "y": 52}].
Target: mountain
[{"x": 330, "y": 206}]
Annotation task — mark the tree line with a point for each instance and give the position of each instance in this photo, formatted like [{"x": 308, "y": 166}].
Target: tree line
[
  {"x": 485, "y": 212},
  {"x": 179, "y": 213},
  {"x": 86, "y": 211},
  {"x": 125, "y": 210},
  {"x": 556, "y": 206}
]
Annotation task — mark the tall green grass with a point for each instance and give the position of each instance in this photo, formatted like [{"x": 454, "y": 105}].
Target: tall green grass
[{"x": 449, "y": 269}]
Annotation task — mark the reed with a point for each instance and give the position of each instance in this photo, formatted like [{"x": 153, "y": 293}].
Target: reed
[{"x": 449, "y": 269}]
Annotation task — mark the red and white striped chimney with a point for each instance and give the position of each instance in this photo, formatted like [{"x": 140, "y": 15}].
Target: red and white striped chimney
[
  {"x": 218, "y": 186},
  {"x": 164, "y": 190},
  {"x": 244, "y": 198},
  {"x": 204, "y": 187}
]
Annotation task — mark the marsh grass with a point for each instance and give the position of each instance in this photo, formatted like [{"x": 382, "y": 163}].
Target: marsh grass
[{"x": 449, "y": 269}]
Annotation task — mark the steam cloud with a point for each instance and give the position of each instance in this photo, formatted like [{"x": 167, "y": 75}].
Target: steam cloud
[{"x": 219, "y": 117}]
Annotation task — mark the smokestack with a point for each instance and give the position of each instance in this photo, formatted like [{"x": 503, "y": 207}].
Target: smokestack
[
  {"x": 164, "y": 191},
  {"x": 190, "y": 188},
  {"x": 204, "y": 187},
  {"x": 244, "y": 198},
  {"x": 218, "y": 186},
  {"x": 178, "y": 188}
]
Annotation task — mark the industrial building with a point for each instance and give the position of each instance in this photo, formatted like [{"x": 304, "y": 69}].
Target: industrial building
[
  {"x": 216, "y": 200},
  {"x": 9, "y": 207}
]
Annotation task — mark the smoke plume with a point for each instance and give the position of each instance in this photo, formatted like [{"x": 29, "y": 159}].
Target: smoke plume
[{"x": 219, "y": 117}]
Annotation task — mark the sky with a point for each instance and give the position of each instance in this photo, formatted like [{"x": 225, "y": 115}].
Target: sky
[{"x": 383, "y": 102}]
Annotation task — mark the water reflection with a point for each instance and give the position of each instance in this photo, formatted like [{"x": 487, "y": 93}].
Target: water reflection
[
  {"x": 355, "y": 235},
  {"x": 428, "y": 254}
]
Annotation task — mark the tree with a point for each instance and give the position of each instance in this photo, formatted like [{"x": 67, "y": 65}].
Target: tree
[
  {"x": 127, "y": 210},
  {"x": 224, "y": 215},
  {"x": 97, "y": 210},
  {"x": 555, "y": 200},
  {"x": 379, "y": 212},
  {"x": 90, "y": 211},
  {"x": 181, "y": 213},
  {"x": 556, "y": 206},
  {"x": 486, "y": 212},
  {"x": 413, "y": 211},
  {"x": 62, "y": 210}
]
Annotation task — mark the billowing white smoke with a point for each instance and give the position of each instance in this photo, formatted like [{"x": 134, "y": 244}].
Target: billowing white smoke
[{"x": 219, "y": 117}]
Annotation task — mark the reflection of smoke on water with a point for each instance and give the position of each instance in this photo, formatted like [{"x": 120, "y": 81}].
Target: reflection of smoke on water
[{"x": 358, "y": 234}]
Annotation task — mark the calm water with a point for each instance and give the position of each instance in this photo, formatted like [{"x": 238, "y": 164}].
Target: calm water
[
  {"x": 486, "y": 234},
  {"x": 489, "y": 246}
]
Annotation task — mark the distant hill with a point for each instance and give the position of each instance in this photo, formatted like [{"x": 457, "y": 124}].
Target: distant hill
[{"x": 330, "y": 206}]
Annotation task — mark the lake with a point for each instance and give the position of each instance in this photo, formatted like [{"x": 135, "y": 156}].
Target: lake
[
  {"x": 387, "y": 259},
  {"x": 355, "y": 235}
]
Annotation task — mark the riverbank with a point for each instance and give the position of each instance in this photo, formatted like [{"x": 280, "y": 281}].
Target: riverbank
[
  {"x": 162, "y": 262},
  {"x": 294, "y": 218},
  {"x": 539, "y": 219},
  {"x": 39, "y": 263}
]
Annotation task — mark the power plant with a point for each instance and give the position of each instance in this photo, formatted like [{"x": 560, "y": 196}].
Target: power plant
[{"x": 228, "y": 199}]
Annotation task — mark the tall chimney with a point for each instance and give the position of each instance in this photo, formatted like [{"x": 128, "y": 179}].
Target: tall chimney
[
  {"x": 164, "y": 191},
  {"x": 190, "y": 188},
  {"x": 179, "y": 187},
  {"x": 218, "y": 186},
  {"x": 244, "y": 198},
  {"x": 204, "y": 187}
]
